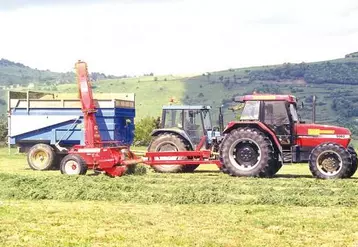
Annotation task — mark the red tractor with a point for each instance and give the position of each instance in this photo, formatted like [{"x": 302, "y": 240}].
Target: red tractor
[{"x": 270, "y": 133}]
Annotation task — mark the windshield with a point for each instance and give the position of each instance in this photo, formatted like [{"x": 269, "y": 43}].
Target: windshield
[
  {"x": 173, "y": 118},
  {"x": 207, "y": 119},
  {"x": 293, "y": 111},
  {"x": 251, "y": 110}
]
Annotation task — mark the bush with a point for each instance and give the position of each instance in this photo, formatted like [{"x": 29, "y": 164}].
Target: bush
[
  {"x": 3, "y": 130},
  {"x": 143, "y": 129}
]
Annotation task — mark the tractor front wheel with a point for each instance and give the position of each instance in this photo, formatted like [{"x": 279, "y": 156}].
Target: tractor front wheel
[
  {"x": 330, "y": 160},
  {"x": 248, "y": 152},
  {"x": 73, "y": 164}
]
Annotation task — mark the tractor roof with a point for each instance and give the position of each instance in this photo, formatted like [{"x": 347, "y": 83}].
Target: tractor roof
[
  {"x": 266, "y": 97},
  {"x": 186, "y": 107}
]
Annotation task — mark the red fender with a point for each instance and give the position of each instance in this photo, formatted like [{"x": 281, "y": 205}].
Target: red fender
[{"x": 237, "y": 124}]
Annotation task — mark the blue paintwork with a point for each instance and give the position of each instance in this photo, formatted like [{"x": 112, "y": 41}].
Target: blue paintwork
[
  {"x": 212, "y": 134},
  {"x": 112, "y": 122}
]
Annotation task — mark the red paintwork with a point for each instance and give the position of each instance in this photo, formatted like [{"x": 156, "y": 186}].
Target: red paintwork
[
  {"x": 269, "y": 97},
  {"x": 235, "y": 124},
  {"x": 201, "y": 143},
  {"x": 201, "y": 157},
  {"x": 92, "y": 137},
  {"x": 304, "y": 139},
  {"x": 97, "y": 156}
]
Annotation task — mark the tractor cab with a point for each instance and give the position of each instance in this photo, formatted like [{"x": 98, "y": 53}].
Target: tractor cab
[
  {"x": 278, "y": 112},
  {"x": 183, "y": 128},
  {"x": 193, "y": 122}
]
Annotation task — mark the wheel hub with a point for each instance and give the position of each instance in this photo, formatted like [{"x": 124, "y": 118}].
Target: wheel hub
[
  {"x": 72, "y": 168},
  {"x": 330, "y": 164},
  {"x": 246, "y": 154},
  {"x": 39, "y": 158}
]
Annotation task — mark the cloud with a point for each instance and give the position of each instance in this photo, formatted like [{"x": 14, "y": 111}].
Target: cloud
[
  {"x": 276, "y": 20},
  {"x": 183, "y": 36},
  {"x": 6, "y": 5}
]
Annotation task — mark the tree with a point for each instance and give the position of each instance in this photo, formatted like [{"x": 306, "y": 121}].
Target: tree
[
  {"x": 3, "y": 130},
  {"x": 143, "y": 129}
]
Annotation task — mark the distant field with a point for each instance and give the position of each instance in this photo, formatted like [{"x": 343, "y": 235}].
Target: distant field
[
  {"x": 151, "y": 94},
  {"x": 206, "y": 208}
]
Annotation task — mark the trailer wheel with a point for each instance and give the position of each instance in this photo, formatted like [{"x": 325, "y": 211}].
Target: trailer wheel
[
  {"x": 248, "y": 152},
  {"x": 330, "y": 160},
  {"x": 354, "y": 161},
  {"x": 73, "y": 164},
  {"x": 41, "y": 157},
  {"x": 169, "y": 142}
]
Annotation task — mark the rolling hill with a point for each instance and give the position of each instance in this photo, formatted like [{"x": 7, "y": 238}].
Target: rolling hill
[{"x": 335, "y": 83}]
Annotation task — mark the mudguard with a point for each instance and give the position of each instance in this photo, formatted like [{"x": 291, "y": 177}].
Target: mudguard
[
  {"x": 255, "y": 124},
  {"x": 174, "y": 131}
]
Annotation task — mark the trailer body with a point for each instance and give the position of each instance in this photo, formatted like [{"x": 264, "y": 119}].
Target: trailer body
[{"x": 39, "y": 118}]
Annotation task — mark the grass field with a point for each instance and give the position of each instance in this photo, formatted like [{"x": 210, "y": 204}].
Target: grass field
[{"x": 206, "y": 208}]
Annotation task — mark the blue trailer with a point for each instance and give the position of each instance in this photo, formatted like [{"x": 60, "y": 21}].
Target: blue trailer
[{"x": 45, "y": 126}]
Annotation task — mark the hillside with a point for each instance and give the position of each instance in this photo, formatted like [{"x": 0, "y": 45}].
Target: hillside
[
  {"x": 335, "y": 83},
  {"x": 14, "y": 74}
]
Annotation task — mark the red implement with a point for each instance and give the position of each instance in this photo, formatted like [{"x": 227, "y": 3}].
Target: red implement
[{"x": 108, "y": 157}]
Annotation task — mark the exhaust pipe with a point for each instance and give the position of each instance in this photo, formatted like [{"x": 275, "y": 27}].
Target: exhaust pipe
[{"x": 221, "y": 120}]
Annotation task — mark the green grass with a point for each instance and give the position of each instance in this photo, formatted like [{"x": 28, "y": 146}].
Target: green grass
[
  {"x": 206, "y": 208},
  {"x": 54, "y": 223}
]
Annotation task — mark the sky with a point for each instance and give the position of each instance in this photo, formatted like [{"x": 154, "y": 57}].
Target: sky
[{"x": 175, "y": 36}]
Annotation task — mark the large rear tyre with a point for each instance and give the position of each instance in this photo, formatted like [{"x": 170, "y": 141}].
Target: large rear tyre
[
  {"x": 41, "y": 157},
  {"x": 248, "y": 152},
  {"x": 329, "y": 161},
  {"x": 73, "y": 164},
  {"x": 170, "y": 142}
]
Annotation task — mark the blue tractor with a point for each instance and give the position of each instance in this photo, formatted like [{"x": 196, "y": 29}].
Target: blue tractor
[{"x": 182, "y": 128}]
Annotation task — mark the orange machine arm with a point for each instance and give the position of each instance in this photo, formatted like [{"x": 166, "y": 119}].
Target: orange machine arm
[{"x": 92, "y": 135}]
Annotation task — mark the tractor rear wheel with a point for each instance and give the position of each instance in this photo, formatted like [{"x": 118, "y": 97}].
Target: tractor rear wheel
[
  {"x": 248, "y": 152},
  {"x": 41, "y": 157},
  {"x": 354, "y": 161},
  {"x": 330, "y": 160},
  {"x": 73, "y": 164},
  {"x": 170, "y": 142}
]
